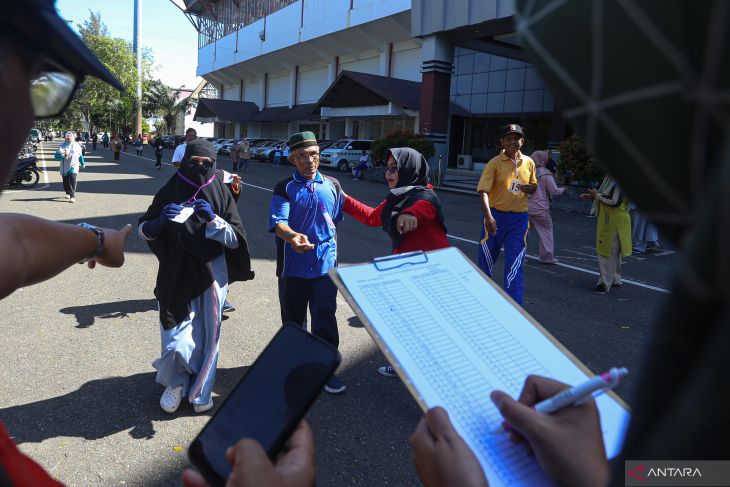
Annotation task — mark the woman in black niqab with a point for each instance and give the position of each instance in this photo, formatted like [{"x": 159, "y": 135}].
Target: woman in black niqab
[{"x": 197, "y": 259}]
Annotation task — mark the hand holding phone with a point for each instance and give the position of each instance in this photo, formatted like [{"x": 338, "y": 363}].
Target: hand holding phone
[
  {"x": 263, "y": 410},
  {"x": 251, "y": 466}
]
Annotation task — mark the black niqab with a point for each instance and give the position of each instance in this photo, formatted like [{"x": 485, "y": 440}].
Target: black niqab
[{"x": 183, "y": 251}]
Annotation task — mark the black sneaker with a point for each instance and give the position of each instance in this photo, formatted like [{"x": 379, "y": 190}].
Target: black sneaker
[
  {"x": 600, "y": 289},
  {"x": 334, "y": 385}
]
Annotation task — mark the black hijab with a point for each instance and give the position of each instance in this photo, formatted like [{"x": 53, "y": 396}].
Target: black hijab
[
  {"x": 413, "y": 172},
  {"x": 183, "y": 251}
]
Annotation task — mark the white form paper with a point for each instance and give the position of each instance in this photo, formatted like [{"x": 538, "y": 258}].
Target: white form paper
[{"x": 457, "y": 339}]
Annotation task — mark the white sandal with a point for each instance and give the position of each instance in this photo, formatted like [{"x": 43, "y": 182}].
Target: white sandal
[
  {"x": 171, "y": 398},
  {"x": 201, "y": 408}
]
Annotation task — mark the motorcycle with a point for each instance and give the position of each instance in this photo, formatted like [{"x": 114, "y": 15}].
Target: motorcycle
[{"x": 26, "y": 172}]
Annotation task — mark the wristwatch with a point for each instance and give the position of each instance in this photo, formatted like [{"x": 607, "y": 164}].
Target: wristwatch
[{"x": 99, "y": 241}]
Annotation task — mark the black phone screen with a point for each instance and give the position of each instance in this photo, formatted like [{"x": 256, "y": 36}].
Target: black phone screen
[{"x": 269, "y": 401}]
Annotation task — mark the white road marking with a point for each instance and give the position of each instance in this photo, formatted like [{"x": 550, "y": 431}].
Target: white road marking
[{"x": 579, "y": 269}]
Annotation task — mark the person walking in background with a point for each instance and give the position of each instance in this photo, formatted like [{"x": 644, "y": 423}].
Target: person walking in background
[
  {"x": 198, "y": 257},
  {"x": 235, "y": 155},
  {"x": 304, "y": 211},
  {"x": 158, "y": 145},
  {"x": 71, "y": 156},
  {"x": 613, "y": 232},
  {"x": 411, "y": 213},
  {"x": 125, "y": 142},
  {"x": 190, "y": 135},
  {"x": 94, "y": 139},
  {"x": 644, "y": 234},
  {"x": 105, "y": 139},
  {"x": 505, "y": 182},
  {"x": 116, "y": 147},
  {"x": 245, "y": 151},
  {"x": 538, "y": 206},
  {"x": 138, "y": 144}
]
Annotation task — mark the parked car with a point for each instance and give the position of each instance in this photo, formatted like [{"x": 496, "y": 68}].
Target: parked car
[
  {"x": 266, "y": 154},
  {"x": 225, "y": 149},
  {"x": 168, "y": 141},
  {"x": 255, "y": 148},
  {"x": 220, "y": 142},
  {"x": 324, "y": 144},
  {"x": 345, "y": 154}
]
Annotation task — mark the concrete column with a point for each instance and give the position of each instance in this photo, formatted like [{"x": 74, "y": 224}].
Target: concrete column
[
  {"x": 437, "y": 57},
  {"x": 293, "y": 86},
  {"x": 384, "y": 60},
  {"x": 348, "y": 127},
  {"x": 332, "y": 70},
  {"x": 262, "y": 91}
]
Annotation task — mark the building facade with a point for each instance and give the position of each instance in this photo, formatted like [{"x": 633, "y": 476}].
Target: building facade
[{"x": 449, "y": 69}]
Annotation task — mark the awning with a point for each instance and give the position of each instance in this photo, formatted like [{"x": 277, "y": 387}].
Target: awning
[
  {"x": 286, "y": 114},
  {"x": 352, "y": 89},
  {"x": 214, "y": 110}
]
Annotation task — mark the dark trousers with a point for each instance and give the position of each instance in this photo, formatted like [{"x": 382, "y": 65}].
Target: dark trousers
[
  {"x": 116, "y": 155},
  {"x": 321, "y": 295},
  {"x": 106, "y": 144},
  {"x": 158, "y": 159},
  {"x": 93, "y": 144},
  {"x": 69, "y": 184}
]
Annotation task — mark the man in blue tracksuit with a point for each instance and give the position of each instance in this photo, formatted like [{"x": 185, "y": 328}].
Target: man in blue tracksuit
[
  {"x": 503, "y": 187},
  {"x": 304, "y": 210}
]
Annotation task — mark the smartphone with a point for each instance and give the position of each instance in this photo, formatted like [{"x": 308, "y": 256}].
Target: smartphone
[{"x": 269, "y": 401}]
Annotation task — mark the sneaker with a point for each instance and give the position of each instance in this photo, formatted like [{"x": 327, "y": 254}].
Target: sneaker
[
  {"x": 600, "y": 289},
  {"x": 334, "y": 385},
  {"x": 201, "y": 408},
  {"x": 171, "y": 398},
  {"x": 68, "y": 196},
  {"x": 387, "y": 371},
  {"x": 72, "y": 200},
  {"x": 228, "y": 307}
]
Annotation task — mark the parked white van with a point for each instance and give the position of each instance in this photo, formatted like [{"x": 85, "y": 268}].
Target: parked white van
[{"x": 345, "y": 154}]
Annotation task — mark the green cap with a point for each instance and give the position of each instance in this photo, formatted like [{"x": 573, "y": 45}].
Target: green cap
[{"x": 302, "y": 139}]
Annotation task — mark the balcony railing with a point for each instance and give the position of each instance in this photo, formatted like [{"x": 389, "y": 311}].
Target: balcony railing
[{"x": 215, "y": 19}]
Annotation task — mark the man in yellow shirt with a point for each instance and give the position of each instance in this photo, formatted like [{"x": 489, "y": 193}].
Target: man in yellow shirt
[{"x": 506, "y": 181}]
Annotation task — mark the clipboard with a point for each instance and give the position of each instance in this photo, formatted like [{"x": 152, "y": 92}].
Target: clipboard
[{"x": 391, "y": 273}]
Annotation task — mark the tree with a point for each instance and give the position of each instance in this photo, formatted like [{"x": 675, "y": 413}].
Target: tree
[
  {"x": 94, "y": 26},
  {"x": 576, "y": 164},
  {"x": 162, "y": 101},
  {"x": 403, "y": 139},
  {"x": 96, "y": 103}
]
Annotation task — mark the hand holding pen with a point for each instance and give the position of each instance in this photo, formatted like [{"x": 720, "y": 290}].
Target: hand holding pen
[{"x": 568, "y": 443}]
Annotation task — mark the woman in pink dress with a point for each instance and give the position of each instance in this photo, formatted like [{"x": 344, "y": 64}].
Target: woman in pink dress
[{"x": 538, "y": 206}]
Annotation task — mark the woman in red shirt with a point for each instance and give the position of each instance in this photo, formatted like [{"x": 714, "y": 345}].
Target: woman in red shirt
[{"x": 410, "y": 214}]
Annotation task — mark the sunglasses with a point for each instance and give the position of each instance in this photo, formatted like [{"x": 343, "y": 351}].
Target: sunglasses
[{"x": 51, "y": 92}]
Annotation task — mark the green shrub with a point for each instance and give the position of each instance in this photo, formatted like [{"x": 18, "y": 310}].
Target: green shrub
[
  {"x": 403, "y": 139},
  {"x": 577, "y": 165}
]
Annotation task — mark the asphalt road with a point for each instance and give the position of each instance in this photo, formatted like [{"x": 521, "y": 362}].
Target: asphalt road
[{"x": 77, "y": 387}]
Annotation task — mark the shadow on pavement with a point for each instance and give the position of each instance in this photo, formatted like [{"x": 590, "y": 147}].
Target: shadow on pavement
[
  {"x": 86, "y": 315},
  {"x": 103, "y": 407}
]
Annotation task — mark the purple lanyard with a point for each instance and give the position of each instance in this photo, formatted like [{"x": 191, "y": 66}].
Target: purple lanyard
[{"x": 195, "y": 185}]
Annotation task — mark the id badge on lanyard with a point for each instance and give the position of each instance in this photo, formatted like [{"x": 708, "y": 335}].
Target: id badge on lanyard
[
  {"x": 325, "y": 213},
  {"x": 514, "y": 185}
]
